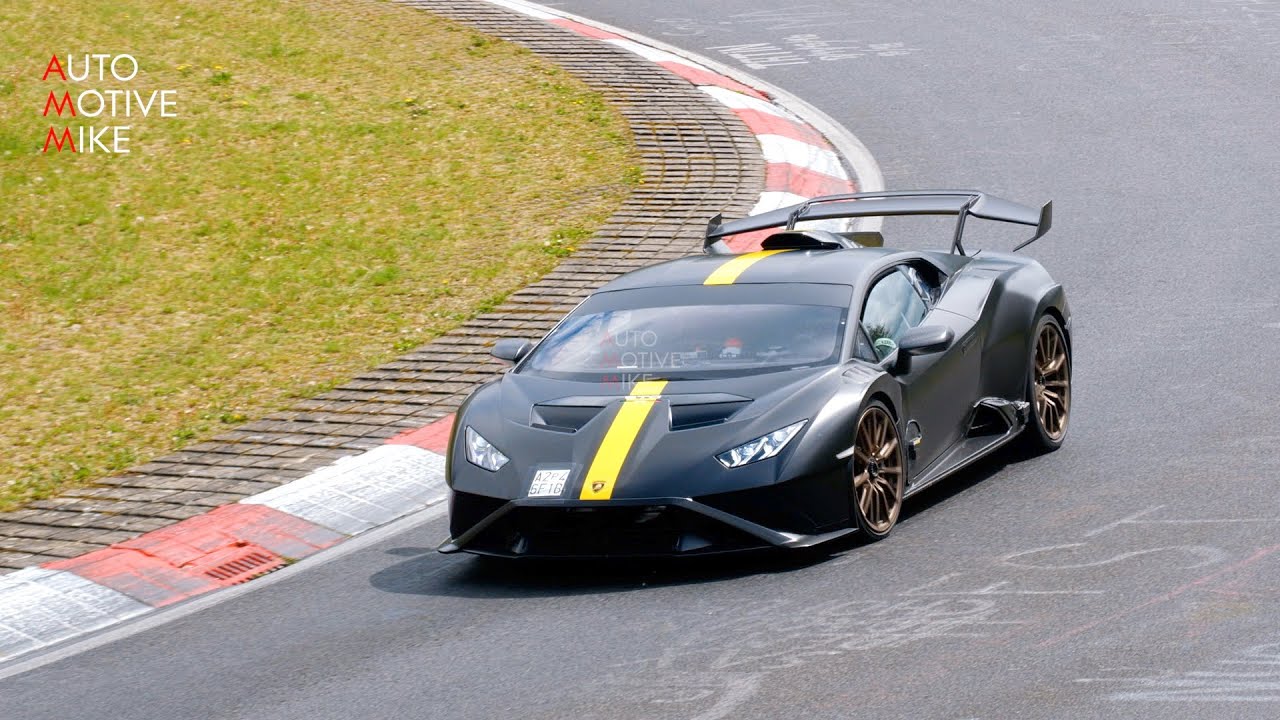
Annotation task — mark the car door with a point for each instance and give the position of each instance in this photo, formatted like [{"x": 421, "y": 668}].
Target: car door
[{"x": 938, "y": 388}]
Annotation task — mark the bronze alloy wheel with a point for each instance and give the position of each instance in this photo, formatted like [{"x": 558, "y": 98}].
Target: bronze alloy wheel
[
  {"x": 1051, "y": 384},
  {"x": 878, "y": 472}
]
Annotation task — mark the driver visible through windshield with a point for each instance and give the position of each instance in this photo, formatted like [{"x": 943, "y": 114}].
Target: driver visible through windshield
[{"x": 701, "y": 333}]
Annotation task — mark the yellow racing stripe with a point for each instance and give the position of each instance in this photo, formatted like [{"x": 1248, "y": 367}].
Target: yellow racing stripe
[
  {"x": 727, "y": 273},
  {"x": 618, "y": 440}
]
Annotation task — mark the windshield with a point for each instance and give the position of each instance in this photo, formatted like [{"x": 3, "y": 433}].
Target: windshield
[{"x": 618, "y": 341}]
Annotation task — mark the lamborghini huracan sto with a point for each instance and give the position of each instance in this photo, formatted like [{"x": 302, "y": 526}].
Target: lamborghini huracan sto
[{"x": 782, "y": 397}]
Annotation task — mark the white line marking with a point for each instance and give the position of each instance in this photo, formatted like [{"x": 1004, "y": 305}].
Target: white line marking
[
  {"x": 1259, "y": 686},
  {"x": 738, "y": 690},
  {"x": 1123, "y": 521},
  {"x": 996, "y": 588},
  {"x": 1205, "y": 556},
  {"x": 1134, "y": 519},
  {"x": 760, "y": 56}
]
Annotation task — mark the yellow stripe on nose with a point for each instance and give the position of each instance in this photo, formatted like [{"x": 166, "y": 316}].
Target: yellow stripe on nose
[
  {"x": 727, "y": 273},
  {"x": 618, "y": 439}
]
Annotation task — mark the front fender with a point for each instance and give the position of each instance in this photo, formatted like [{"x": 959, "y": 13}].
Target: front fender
[{"x": 832, "y": 428}]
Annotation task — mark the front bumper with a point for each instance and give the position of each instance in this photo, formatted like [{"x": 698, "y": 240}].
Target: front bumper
[{"x": 629, "y": 527}]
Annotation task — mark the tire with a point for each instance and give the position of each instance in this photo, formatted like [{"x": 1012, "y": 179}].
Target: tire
[
  {"x": 1048, "y": 387},
  {"x": 877, "y": 472}
]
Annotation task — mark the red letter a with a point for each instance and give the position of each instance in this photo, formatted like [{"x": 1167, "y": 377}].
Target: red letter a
[
  {"x": 52, "y": 137},
  {"x": 54, "y": 66},
  {"x": 59, "y": 106}
]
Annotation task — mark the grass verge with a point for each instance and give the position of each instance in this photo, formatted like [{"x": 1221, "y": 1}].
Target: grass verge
[{"x": 343, "y": 182}]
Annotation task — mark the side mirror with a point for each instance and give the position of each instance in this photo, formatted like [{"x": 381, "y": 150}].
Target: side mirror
[
  {"x": 926, "y": 339},
  {"x": 922, "y": 340},
  {"x": 512, "y": 350}
]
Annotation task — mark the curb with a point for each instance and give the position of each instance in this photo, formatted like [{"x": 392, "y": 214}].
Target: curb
[
  {"x": 805, "y": 154},
  {"x": 230, "y": 545},
  {"x": 866, "y": 171}
]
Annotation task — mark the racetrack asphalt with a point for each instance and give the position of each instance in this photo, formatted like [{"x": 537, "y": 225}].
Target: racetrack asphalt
[{"x": 1132, "y": 574}]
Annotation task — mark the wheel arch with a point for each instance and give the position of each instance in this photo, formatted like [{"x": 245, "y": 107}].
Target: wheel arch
[
  {"x": 883, "y": 397},
  {"x": 1054, "y": 304},
  {"x": 1061, "y": 317},
  {"x": 1020, "y": 299},
  {"x": 831, "y": 430}
]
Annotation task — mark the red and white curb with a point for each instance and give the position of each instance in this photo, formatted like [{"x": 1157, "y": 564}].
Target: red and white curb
[
  {"x": 797, "y": 141},
  {"x": 40, "y": 606},
  {"x": 805, "y": 155}
]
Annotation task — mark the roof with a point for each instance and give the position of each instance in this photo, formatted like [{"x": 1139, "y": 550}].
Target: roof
[{"x": 843, "y": 267}]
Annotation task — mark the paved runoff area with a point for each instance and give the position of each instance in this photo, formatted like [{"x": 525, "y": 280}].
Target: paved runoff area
[{"x": 273, "y": 491}]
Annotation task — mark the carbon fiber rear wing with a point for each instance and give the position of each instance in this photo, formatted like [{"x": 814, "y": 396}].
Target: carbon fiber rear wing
[{"x": 961, "y": 203}]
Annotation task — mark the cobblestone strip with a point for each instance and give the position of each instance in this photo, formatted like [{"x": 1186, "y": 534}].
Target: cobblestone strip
[{"x": 698, "y": 159}]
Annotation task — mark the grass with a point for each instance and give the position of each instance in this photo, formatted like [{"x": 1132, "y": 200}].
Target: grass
[{"x": 344, "y": 181}]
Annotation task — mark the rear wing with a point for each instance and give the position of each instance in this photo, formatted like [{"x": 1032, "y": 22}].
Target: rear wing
[{"x": 961, "y": 203}]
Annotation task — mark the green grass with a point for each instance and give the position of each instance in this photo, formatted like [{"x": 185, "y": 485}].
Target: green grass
[{"x": 344, "y": 181}]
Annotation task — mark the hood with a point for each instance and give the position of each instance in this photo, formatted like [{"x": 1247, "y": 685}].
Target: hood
[{"x": 663, "y": 445}]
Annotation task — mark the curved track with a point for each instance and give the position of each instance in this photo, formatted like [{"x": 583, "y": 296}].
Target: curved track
[{"x": 1134, "y": 573}]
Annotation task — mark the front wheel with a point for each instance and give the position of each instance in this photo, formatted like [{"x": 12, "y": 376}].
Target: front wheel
[
  {"x": 1049, "y": 384},
  {"x": 879, "y": 473}
]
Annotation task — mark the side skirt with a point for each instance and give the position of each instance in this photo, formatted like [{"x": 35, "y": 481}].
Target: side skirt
[{"x": 971, "y": 449}]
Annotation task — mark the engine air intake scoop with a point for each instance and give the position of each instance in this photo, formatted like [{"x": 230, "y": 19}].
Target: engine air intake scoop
[{"x": 806, "y": 240}]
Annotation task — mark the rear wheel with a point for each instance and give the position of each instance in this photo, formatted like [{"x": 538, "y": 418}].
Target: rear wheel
[
  {"x": 879, "y": 473},
  {"x": 1050, "y": 386}
]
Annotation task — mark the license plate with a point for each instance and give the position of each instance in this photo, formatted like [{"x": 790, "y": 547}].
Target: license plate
[{"x": 548, "y": 483}]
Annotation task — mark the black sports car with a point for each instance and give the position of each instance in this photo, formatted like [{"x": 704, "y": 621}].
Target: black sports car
[{"x": 783, "y": 397}]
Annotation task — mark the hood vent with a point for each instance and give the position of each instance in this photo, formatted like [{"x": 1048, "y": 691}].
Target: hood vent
[
  {"x": 688, "y": 411},
  {"x": 684, "y": 417},
  {"x": 565, "y": 418}
]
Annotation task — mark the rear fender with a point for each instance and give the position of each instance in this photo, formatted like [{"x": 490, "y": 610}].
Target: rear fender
[{"x": 1016, "y": 304}]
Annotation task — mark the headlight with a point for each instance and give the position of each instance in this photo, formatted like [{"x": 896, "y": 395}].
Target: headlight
[
  {"x": 480, "y": 452},
  {"x": 765, "y": 446}
]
